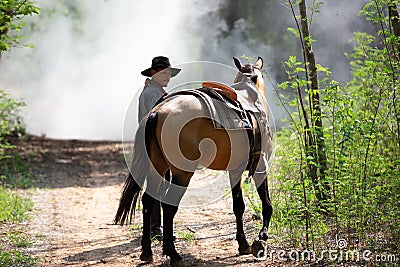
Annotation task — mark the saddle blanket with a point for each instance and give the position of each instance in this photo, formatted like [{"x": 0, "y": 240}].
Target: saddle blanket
[{"x": 225, "y": 113}]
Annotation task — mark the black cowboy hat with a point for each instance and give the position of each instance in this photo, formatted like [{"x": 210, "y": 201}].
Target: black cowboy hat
[{"x": 163, "y": 63}]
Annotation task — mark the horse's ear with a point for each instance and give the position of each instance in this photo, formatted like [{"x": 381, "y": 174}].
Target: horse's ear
[
  {"x": 237, "y": 63},
  {"x": 259, "y": 63}
]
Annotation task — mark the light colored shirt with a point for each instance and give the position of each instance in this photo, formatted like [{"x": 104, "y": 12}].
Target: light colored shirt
[{"x": 148, "y": 98}]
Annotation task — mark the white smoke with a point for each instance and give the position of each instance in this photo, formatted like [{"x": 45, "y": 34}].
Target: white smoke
[
  {"x": 79, "y": 79},
  {"x": 333, "y": 29}
]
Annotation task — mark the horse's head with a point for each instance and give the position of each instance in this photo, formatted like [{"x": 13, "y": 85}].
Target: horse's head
[{"x": 252, "y": 71}]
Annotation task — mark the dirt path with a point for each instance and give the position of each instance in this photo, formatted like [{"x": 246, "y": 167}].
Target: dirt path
[{"x": 78, "y": 187}]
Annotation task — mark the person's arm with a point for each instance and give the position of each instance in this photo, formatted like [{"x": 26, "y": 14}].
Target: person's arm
[
  {"x": 150, "y": 98},
  {"x": 147, "y": 101}
]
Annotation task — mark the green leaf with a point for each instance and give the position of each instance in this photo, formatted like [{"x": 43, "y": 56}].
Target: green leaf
[{"x": 294, "y": 31}]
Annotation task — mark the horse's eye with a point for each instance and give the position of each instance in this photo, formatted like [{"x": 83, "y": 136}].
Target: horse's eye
[{"x": 254, "y": 78}]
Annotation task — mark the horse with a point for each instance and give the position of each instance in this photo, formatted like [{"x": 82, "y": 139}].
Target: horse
[{"x": 177, "y": 136}]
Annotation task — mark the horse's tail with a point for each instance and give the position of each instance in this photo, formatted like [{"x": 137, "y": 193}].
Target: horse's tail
[{"x": 138, "y": 170}]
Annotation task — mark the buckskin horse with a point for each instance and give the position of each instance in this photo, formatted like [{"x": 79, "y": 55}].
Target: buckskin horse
[{"x": 178, "y": 135}]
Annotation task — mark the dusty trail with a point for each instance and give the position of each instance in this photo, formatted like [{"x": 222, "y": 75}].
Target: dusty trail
[{"x": 78, "y": 187}]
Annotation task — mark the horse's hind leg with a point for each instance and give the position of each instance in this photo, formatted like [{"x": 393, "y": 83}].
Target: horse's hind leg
[
  {"x": 238, "y": 209},
  {"x": 180, "y": 181}
]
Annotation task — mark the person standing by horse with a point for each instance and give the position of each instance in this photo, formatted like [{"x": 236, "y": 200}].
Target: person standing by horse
[{"x": 159, "y": 75}]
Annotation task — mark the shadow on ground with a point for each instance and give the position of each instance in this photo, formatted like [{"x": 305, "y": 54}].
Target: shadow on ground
[{"x": 69, "y": 163}]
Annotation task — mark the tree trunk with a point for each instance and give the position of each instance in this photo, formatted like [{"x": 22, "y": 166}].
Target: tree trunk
[
  {"x": 316, "y": 146},
  {"x": 394, "y": 16},
  {"x": 395, "y": 25}
]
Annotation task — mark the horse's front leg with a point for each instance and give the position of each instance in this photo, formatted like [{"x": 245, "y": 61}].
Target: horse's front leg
[
  {"x": 148, "y": 205},
  {"x": 262, "y": 189},
  {"x": 238, "y": 210}
]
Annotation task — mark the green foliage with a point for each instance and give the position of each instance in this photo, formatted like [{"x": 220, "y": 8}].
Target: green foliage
[
  {"x": 365, "y": 134},
  {"x": 186, "y": 235},
  {"x": 250, "y": 193},
  {"x": 12, "y": 12},
  {"x": 10, "y": 121},
  {"x": 16, "y": 258},
  {"x": 18, "y": 239},
  {"x": 135, "y": 227},
  {"x": 13, "y": 208},
  {"x": 362, "y": 141},
  {"x": 14, "y": 173},
  {"x": 296, "y": 218}
]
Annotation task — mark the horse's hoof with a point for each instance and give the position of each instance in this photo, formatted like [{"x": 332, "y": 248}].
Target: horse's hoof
[
  {"x": 259, "y": 248},
  {"x": 245, "y": 249},
  {"x": 146, "y": 257},
  {"x": 177, "y": 263},
  {"x": 263, "y": 235}
]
